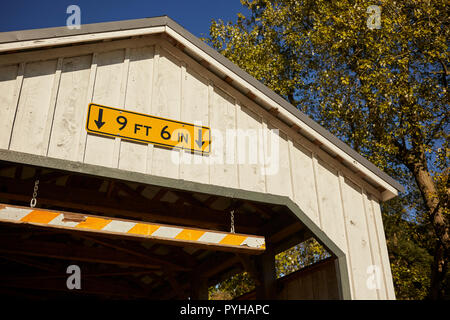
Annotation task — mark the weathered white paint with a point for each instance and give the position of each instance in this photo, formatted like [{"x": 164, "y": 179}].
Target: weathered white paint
[
  {"x": 304, "y": 187},
  {"x": 359, "y": 244},
  {"x": 33, "y": 108},
  {"x": 166, "y": 103},
  {"x": 222, "y": 117},
  {"x": 70, "y": 107},
  {"x": 194, "y": 109},
  {"x": 251, "y": 177},
  {"x": 10, "y": 85},
  {"x": 99, "y": 150},
  {"x": 44, "y": 106},
  {"x": 391, "y": 191},
  {"x": 78, "y": 38},
  {"x": 133, "y": 156}
]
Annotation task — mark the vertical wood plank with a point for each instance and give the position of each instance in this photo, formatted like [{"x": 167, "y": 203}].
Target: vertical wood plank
[
  {"x": 278, "y": 181},
  {"x": 210, "y": 110},
  {"x": 33, "y": 109},
  {"x": 52, "y": 106},
  {"x": 194, "y": 109},
  {"x": 150, "y": 147},
  {"x": 249, "y": 144},
  {"x": 383, "y": 248},
  {"x": 70, "y": 108},
  {"x": 133, "y": 156},
  {"x": 100, "y": 149},
  {"x": 308, "y": 287},
  {"x": 304, "y": 186},
  {"x": 81, "y": 146},
  {"x": 331, "y": 206},
  {"x": 315, "y": 164},
  {"x": 222, "y": 117},
  {"x": 347, "y": 239},
  {"x": 332, "y": 285},
  {"x": 374, "y": 246},
  {"x": 122, "y": 97},
  {"x": 359, "y": 244},
  {"x": 166, "y": 104},
  {"x": 10, "y": 85}
]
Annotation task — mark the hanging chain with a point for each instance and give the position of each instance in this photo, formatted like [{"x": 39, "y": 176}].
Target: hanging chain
[
  {"x": 35, "y": 190},
  {"x": 232, "y": 221}
]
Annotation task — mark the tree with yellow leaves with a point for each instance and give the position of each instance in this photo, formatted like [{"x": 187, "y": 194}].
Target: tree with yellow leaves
[{"x": 372, "y": 72}]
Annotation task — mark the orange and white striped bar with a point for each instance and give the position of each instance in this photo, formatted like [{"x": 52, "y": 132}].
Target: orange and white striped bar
[{"x": 107, "y": 225}]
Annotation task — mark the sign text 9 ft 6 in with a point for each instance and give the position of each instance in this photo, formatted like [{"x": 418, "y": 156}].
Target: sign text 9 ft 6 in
[{"x": 139, "y": 127}]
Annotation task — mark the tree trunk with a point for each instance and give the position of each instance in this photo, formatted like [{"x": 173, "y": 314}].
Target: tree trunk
[{"x": 438, "y": 221}]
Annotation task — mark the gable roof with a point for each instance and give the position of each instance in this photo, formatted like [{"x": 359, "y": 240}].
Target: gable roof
[{"x": 215, "y": 62}]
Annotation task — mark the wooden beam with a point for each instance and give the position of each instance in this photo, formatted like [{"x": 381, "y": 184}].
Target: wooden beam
[
  {"x": 317, "y": 143},
  {"x": 210, "y": 201},
  {"x": 94, "y": 201},
  {"x": 228, "y": 80},
  {"x": 250, "y": 95},
  {"x": 296, "y": 127},
  {"x": 249, "y": 265},
  {"x": 286, "y": 232},
  {"x": 55, "y": 275},
  {"x": 292, "y": 240},
  {"x": 34, "y": 263},
  {"x": 174, "y": 235},
  {"x": 180, "y": 293},
  {"x": 274, "y": 111},
  {"x": 189, "y": 260},
  {"x": 189, "y": 198},
  {"x": 205, "y": 63},
  {"x": 199, "y": 288},
  {"x": 259, "y": 209},
  {"x": 139, "y": 252},
  {"x": 111, "y": 186},
  {"x": 88, "y": 286},
  {"x": 158, "y": 196},
  {"x": 38, "y": 248},
  {"x": 265, "y": 264},
  {"x": 130, "y": 191},
  {"x": 216, "y": 264},
  {"x": 51, "y": 176}
]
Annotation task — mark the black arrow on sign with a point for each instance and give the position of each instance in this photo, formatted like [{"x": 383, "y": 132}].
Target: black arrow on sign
[
  {"x": 200, "y": 138},
  {"x": 99, "y": 122}
]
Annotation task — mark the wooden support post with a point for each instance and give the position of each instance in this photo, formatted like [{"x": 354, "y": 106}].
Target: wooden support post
[
  {"x": 265, "y": 264},
  {"x": 199, "y": 287}
]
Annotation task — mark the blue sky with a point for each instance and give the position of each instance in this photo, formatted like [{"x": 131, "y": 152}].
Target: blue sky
[{"x": 194, "y": 15}]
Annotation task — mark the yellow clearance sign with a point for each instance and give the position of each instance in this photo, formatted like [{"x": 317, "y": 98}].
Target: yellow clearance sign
[{"x": 143, "y": 128}]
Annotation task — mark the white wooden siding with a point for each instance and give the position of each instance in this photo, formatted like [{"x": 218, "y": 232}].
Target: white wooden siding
[
  {"x": 43, "y": 103},
  {"x": 10, "y": 84},
  {"x": 33, "y": 108},
  {"x": 133, "y": 156}
]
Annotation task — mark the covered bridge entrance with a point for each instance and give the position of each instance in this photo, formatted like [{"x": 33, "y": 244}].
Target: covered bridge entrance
[
  {"x": 36, "y": 248},
  {"x": 163, "y": 169}
]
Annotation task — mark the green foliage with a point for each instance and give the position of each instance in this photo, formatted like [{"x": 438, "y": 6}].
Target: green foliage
[
  {"x": 407, "y": 242},
  {"x": 299, "y": 256},
  {"x": 383, "y": 91},
  {"x": 233, "y": 287},
  {"x": 286, "y": 262}
]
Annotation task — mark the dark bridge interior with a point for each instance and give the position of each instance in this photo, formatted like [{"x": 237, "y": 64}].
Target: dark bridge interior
[{"x": 33, "y": 260}]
